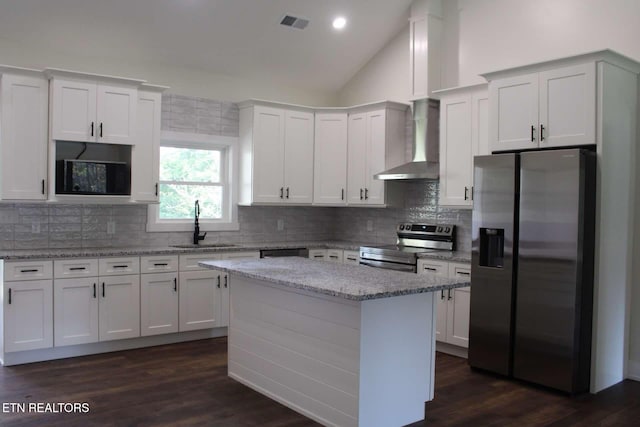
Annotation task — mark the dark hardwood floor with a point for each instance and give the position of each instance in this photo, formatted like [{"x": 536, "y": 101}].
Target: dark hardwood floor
[{"x": 186, "y": 385}]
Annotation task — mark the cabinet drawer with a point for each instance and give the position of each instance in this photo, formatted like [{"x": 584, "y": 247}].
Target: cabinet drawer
[
  {"x": 427, "y": 266},
  {"x": 28, "y": 270},
  {"x": 118, "y": 266},
  {"x": 158, "y": 264},
  {"x": 190, "y": 262},
  {"x": 459, "y": 270},
  {"x": 75, "y": 268},
  {"x": 334, "y": 255},
  {"x": 351, "y": 257},
  {"x": 318, "y": 254}
]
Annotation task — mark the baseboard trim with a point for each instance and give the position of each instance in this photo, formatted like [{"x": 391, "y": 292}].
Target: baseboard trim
[
  {"x": 20, "y": 357},
  {"x": 451, "y": 349},
  {"x": 633, "y": 371}
]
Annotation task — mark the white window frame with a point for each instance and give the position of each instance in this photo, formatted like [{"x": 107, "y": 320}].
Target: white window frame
[{"x": 228, "y": 177}]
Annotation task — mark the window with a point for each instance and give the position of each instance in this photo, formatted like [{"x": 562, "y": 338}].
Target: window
[{"x": 195, "y": 167}]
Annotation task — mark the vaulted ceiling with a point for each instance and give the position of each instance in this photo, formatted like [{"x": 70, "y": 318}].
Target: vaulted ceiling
[{"x": 241, "y": 38}]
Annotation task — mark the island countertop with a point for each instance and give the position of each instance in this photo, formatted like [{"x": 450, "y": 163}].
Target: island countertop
[{"x": 344, "y": 281}]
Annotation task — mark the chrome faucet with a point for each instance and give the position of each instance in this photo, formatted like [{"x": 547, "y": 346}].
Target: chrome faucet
[{"x": 196, "y": 233}]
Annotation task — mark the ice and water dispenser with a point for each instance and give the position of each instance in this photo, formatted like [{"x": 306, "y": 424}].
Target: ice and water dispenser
[{"x": 492, "y": 247}]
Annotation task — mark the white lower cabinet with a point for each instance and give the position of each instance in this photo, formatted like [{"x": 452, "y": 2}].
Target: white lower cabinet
[
  {"x": 159, "y": 303},
  {"x": 199, "y": 293},
  {"x": 28, "y": 316},
  {"x": 95, "y": 308},
  {"x": 453, "y": 305}
]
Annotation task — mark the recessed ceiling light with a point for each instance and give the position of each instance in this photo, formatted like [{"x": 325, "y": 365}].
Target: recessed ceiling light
[{"x": 339, "y": 23}]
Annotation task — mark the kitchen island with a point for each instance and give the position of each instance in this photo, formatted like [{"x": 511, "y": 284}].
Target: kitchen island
[{"x": 343, "y": 345}]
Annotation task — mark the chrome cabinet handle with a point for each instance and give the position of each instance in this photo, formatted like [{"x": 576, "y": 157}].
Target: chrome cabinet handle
[
  {"x": 533, "y": 129},
  {"x": 541, "y": 132},
  {"x": 366, "y": 194},
  {"x": 226, "y": 283},
  {"x": 287, "y": 192},
  {"x": 449, "y": 297},
  {"x": 76, "y": 268},
  {"x": 218, "y": 282},
  {"x": 100, "y": 129},
  {"x": 43, "y": 186},
  {"x": 103, "y": 294},
  {"x": 33, "y": 270},
  {"x": 175, "y": 284},
  {"x": 442, "y": 294},
  {"x": 95, "y": 295},
  {"x": 361, "y": 194},
  {"x": 342, "y": 194},
  {"x": 281, "y": 192},
  {"x": 91, "y": 128},
  {"x": 9, "y": 295},
  {"x": 466, "y": 191}
]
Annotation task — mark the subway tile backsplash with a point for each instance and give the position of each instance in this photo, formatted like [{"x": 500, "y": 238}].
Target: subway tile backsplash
[{"x": 40, "y": 226}]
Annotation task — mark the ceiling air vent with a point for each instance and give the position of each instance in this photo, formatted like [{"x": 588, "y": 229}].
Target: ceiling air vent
[{"x": 292, "y": 21}]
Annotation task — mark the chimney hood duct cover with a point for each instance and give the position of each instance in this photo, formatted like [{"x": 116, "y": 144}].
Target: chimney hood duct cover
[{"x": 426, "y": 117}]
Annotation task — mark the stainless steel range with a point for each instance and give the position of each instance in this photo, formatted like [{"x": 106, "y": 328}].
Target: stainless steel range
[{"x": 413, "y": 239}]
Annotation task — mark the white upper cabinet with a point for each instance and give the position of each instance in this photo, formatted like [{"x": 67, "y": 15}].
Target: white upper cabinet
[
  {"x": 376, "y": 142},
  {"x": 330, "y": 159},
  {"x": 93, "y": 110},
  {"x": 276, "y": 155},
  {"x": 23, "y": 136},
  {"x": 463, "y": 135},
  {"x": 145, "y": 154},
  {"x": 552, "y": 108}
]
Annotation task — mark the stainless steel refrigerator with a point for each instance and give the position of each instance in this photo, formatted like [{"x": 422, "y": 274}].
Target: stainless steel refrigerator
[{"x": 532, "y": 266}]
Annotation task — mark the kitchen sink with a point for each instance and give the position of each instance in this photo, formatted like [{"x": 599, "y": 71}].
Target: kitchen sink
[{"x": 204, "y": 245}]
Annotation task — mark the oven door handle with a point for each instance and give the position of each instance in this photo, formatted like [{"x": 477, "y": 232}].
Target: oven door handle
[{"x": 389, "y": 265}]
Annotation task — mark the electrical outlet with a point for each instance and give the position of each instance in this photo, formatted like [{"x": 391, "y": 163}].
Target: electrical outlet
[
  {"x": 111, "y": 227},
  {"x": 369, "y": 225},
  {"x": 35, "y": 228},
  {"x": 280, "y": 224}
]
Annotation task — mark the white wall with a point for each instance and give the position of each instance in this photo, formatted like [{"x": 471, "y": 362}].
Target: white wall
[
  {"x": 497, "y": 34},
  {"x": 190, "y": 82},
  {"x": 384, "y": 77},
  {"x": 633, "y": 368}
]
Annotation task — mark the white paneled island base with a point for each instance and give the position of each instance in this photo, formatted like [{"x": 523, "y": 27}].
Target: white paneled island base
[{"x": 338, "y": 361}]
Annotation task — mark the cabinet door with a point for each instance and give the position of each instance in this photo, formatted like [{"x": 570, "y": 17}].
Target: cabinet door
[
  {"x": 459, "y": 307},
  {"x": 480, "y": 124},
  {"x": 75, "y": 311},
  {"x": 375, "y": 156},
  {"x": 145, "y": 154},
  {"x": 356, "y": 158},
  {"x": 28, "y": 315},
  {"x": 158, "y": 303},
  {"x": 568, "y": 106},
  {"x": 116, "y": 114},
  {"x": 455, "y": 151},
  {"x": 73, "y": 111},
  {"x": 223, "y": 300},
  {"x": 199, "y": 293},
  {"x": 330, "y": 160},
  {"x": 23, "y": 136},
  {"x": 268, "y": 155},
  {"x": 513, "y": 113},
  {"x": 437, "y": 268},
  {"x": 119, "y": 307},
  {"x": 298, "y": 157}
]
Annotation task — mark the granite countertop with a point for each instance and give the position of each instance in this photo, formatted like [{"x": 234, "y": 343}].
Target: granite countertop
[
  {"x": 344, "y": 281},
  {"x": 32, "y": 254}
]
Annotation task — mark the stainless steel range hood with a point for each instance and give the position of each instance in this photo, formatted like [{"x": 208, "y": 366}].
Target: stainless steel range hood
[{"x": 426, "y": 117}]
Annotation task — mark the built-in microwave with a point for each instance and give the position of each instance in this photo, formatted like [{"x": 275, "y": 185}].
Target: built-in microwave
[{"x": 94, "y": 177}]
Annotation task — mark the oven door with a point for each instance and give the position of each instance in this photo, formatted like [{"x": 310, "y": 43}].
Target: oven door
[{"x": 389, "y": 265}]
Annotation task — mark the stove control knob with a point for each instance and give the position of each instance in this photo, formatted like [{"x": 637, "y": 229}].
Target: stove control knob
[
  {"x": 401, "y": 226},
  {"x": 447, "y": 229},
  {"x": 439, "y": 230},
  {"x": 407, "y": 227}
]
